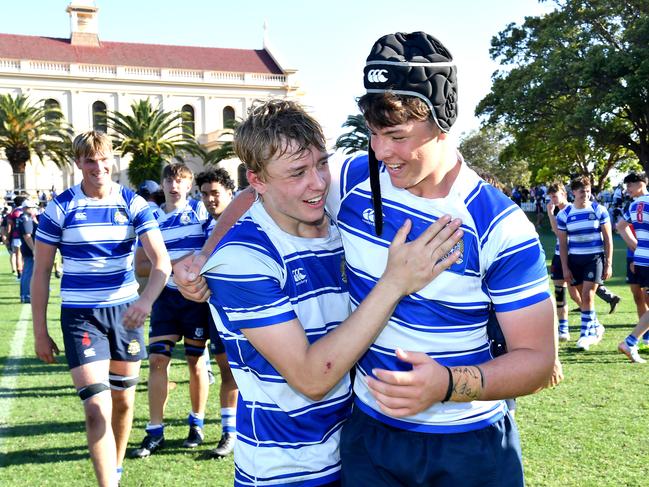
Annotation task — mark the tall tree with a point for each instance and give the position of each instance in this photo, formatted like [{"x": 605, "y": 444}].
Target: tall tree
[
  {"x": 357, "y": 139},
  {"x": 28, "y": 129},
  {"x": 574, "y": 90},
  {"x": 485, "y": 151},
  {"x": 152, "y": 137}
]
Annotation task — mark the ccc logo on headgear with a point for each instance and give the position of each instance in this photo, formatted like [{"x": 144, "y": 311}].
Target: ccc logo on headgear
[{"x": 377, "y": 75}]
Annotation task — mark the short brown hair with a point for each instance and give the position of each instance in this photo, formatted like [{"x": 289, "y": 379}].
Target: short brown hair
[
  {"x": 389, "y": 109},
  {"x": 92, "y": 142},
  {"x": 270, "y": 128},
  {"x": 177, "y": 170},
  {"x": 556, "y": 188},
  {"x": 580, "y": 182}
]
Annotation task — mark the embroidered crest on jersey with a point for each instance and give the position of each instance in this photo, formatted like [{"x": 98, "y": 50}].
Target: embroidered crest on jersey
[
  {"x": 185, "y": 218},
  {"x": 368, "y": 216},
  {"x": 80, "y": 215},
  {"x": 133, "y": 347},
  {"x": 198, "y": 332},
  {"x": 120, "y": 217},
  {"x": 591, "y": 216}
]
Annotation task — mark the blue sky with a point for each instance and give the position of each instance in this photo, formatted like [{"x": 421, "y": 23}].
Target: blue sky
[{"x": 327, "y": 41}]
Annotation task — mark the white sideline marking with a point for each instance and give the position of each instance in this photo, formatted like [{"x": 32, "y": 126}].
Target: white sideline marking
[{"x": 10, "y": 373}]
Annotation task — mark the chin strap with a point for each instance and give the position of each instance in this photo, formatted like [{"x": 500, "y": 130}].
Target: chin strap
[{"x": 375, "y": 186}]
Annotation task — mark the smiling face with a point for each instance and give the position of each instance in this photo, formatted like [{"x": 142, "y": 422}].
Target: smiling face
[
  {"x": 215, "y": 197},
  {"x": 636, "y": 188},
  {"x": 294, "y": 188},
  {"x": 414, "y": 154},
  {"x": 582, "y": 196},
  {"x": 96, "y": 170}
]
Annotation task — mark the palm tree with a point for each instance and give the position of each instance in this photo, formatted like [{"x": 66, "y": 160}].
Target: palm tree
[
  {"x": 152, "y": 137},
  {"x": 32, "y": 128},
  {"x": 357, "y": 139}
]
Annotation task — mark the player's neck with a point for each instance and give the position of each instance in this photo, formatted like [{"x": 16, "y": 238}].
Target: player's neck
[{"x": 173, "y": 205}]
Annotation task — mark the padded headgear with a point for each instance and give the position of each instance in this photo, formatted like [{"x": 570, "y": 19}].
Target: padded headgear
[{"x": 415, "y": 64}]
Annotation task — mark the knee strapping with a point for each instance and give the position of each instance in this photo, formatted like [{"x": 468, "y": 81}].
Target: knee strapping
[
  {"x": 560, "y": 296},
  {"x": 194, "y": 350},
  {"x": 163, "y": 347},
  {"x": 122, "y": 382},
  {"x": 87, "y": 392}
]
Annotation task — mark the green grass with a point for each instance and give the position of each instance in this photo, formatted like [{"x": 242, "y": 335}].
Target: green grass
[{"x": 591, "y": 430}]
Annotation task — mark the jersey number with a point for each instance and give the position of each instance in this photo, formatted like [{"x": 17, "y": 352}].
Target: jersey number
[{"x": 639, "y": 212}]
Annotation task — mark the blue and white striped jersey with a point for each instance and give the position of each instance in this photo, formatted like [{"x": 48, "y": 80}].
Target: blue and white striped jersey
[
  {"x": 183, "y": 230},
  {"x": 638, "y": 216},
  {"x": 583, "y": 228},
  {"x": 96, "y": 238},
  {"x": 502, "y": 262},
  {"x": 261, "y": 276}
]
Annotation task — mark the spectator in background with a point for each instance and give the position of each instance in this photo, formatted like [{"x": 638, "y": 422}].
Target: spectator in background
[
  {"x": 14, "y": 237},
  {"x": 26, "y": 225}
]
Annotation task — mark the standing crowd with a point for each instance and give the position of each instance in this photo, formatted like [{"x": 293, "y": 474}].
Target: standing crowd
[{"x": 346, "y": 299}]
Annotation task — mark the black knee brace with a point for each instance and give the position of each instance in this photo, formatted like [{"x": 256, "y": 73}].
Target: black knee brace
[
  {"x": 88, "y": 391},
  {"x": 121, "y": 382},
  {"x": 163, "y": 347},
  {"x": 194, "y": 350},
  {"x": 560, "y": 296}
]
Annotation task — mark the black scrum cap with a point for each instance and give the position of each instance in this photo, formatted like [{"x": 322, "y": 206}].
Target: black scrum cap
[{"x": 414, "y": 64}]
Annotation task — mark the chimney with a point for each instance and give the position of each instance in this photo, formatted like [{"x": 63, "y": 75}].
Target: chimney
[{"x": 84, "y": 23}]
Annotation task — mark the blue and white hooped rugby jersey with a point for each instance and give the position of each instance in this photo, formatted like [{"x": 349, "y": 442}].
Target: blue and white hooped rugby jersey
[
  {"x": 583, "y": 228},
  {"x": 261, "y": 276},
  {"x": 96, "y": 238},
  {"x": 502, "y": 262},
  {"x": 183, "y": 230},
  {"x": 638, "y": 216}
]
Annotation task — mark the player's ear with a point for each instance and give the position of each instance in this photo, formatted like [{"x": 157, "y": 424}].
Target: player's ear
[{"x": 256, "y": 181}]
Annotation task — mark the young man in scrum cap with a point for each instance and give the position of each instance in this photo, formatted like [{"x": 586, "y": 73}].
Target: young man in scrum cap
[{"x": 429, "y": 379}]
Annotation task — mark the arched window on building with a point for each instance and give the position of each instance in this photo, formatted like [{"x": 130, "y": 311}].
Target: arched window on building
[
  {"x": 228, "y": 117},
  {"x": 51, "y": 104},
  {"x": 99, "y": 120},
  {"x": 189, "y": 124}
]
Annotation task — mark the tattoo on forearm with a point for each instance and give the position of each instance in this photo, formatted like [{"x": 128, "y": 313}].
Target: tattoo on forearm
[{"x": 468, "y": 383}]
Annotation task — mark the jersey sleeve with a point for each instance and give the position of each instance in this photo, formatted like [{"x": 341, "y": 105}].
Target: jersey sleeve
[
  {"x": 562, "y": 219},
  {"x": 143, "y": 219},
  {"x": 514, "y": 261},
  {"x": 246, "y": 287},
  {"x": 602, "y": 215},
  {"x": 50, "y": 227}
]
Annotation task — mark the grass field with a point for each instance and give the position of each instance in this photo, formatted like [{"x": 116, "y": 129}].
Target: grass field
[{"x": 591, "y": 430}]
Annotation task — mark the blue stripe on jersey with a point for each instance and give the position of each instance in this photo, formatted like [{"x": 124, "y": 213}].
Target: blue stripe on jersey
[
  {"x": 324, "y": 476},
  {"x": 96, "y": 239}
]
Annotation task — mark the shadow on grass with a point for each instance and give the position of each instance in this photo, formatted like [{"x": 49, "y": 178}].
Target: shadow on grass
[
  {"x": 41, "y": 391},
  {"x": 21, "y": 366},
  {"x": 574, "y": 355},
  {"x": 44, "y": 455}
]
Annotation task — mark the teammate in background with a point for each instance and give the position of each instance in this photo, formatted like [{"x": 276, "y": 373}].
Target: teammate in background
[
  {"x": 216, "y": 190},
  {"x": 183, "y": 223},
  {"x": 14, "y": 237},
  {"x": 26, "y": 226},
  {"x": 636, "y": 273},
  {"x": 148, "y": 190},
  {"x": 95, "y": 224},
  {"x": 586, "y": 251},
  {"x": 559, "y": 201}
]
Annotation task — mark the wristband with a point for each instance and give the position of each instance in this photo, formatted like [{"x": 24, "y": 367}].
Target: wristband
[{"x": 449, "y": 391}]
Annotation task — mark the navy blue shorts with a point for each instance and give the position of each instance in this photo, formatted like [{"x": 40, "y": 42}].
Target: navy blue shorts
[
  {"x": 378, "y": 455},
  {"x": 216, "y": 344},
  {"x": 642, "y": 276},
  {"x": 172, "y": 314},
  {"x": 631, "y": 277},
  {"x": 586, "y": 268},
  {"x": 556, "y": 269},
  {"x": 93, "y": 334}
]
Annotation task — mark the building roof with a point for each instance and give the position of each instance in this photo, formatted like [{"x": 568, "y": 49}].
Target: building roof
[{"x": 37, "y": 48}]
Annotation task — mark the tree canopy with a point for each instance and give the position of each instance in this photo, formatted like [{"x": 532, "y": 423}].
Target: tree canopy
[
  {"x": 357, "y": 139},
  {"x": 574, "y": 88},
  {"x": 153, "y": 137},
  {"x": 28, "y": 129}
]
